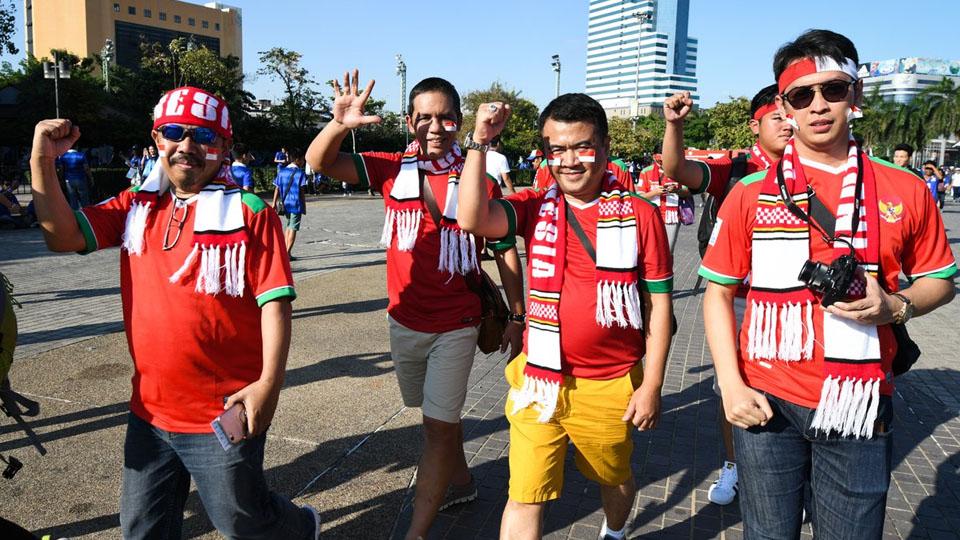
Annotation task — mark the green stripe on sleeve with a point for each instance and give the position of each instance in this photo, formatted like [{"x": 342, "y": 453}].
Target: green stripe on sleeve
[
  {"x": 657, "y": 286},
  {"x": 273, "y": 294},
  {"x": 88, "y": 235},
  {"x": 710, "y": 275},
  {"x": 361, "y": 166},
  {"x": 510, "y": 240},
  {"x": 705, "y": 177},
  {"x": 947, "y": 272}
]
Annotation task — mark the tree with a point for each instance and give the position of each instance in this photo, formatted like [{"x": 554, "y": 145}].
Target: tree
[
  {"x": 696, "y": 130},
  {"x": 302, "y": 106},
  {"x": 728, "y": 121},
  {"x": 942, "y": 107},
  {"x": 520, "y": 135},
  {"x": 7, "y": 27}
]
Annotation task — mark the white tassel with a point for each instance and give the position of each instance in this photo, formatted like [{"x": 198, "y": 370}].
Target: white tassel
[
  {"x": 858, "y": 397},
  {"x": 872, "y": 409},
  {"x": 241, "y": 268},
  {"x": 601, "y": 314},
  {"x": 634, "y": 309},
  {"x": 464, "y": 252},
  {"x": 819, "y": 413},
  {"x": 407, "y": 225},
  {"x": 843, "y": 405},
  {"x": 210, "y": 270},
  {"x": 228, "y": 270},
  {"x": 201, "y": 276},
  {"x": 536, "y": 392},
  {"x": 756, "y": 311},
  {"x": 474, "y": 264},
  {"x": 616, "y": 291},
  {"x": 386, "y": 237},
  {"x": 135, "y": 228},
  {"x": 187, "y": 263},
  {"x": 808, "y": 344}
]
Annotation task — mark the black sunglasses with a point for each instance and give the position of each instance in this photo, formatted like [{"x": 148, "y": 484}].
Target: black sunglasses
[
  {"x": 199, "y": 135},
  {"x": 802, "y": 96}
]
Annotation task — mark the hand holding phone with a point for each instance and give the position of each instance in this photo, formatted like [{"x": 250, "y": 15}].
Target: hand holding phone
[{"x": 231, "y": 426}]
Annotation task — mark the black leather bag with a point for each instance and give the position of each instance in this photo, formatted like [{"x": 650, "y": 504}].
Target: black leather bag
[{"x": 907, "y": 350}]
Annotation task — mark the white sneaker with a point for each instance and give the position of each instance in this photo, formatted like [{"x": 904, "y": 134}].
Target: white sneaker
[{"x": 724, "y": 489}]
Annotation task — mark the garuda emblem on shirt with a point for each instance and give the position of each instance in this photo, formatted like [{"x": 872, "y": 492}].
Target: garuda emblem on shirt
[{"x": 891, "y": 209}]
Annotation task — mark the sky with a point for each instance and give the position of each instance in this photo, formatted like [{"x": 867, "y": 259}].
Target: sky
[{"x": 511, "y": 41}]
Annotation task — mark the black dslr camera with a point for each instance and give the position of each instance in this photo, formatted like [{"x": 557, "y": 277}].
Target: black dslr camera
[{"x": 830, "y": 281}]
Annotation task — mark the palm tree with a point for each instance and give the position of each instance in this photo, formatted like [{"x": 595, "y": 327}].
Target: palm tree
[
  {"x": 877, "y": 123},
  {"x": 942, "y": 107}
]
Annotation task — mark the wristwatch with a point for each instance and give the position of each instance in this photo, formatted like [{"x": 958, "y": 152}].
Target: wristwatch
[
  {"x": 518, "y": 318},
  {"x": 470, "y": 144},
  {"x": 905, "y": 312}
]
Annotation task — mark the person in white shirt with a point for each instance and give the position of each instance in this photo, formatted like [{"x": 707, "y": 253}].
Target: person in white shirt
[{"x": 498, "y": 167}]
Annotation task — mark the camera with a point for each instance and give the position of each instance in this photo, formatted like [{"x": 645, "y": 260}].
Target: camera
[{"x": 831, "y": 281}]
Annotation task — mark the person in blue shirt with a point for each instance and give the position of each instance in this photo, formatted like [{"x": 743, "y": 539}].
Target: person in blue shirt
[
  {"x": 149, "y": 161},
  {"x": 75, "y": 173},
  {"x": 240, "y": 168},
  {"x": 289, "y": 183},
  {"x": 281, "y": 158},
  {"x": 934, "y": 179}
]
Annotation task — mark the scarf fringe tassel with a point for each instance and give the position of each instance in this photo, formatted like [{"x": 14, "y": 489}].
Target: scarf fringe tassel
[
  {"x": 135, "y": 228},
  {"x": 618, "y": 302},
  {"x": 406, "y": 223},
  {"x": 847, "y": 407},
  {"x": 209, "y": 273},
  {"x": 539, "y": 392},
  {"x": 458, "y": 251},
  {"x": 795, "y": 323}
]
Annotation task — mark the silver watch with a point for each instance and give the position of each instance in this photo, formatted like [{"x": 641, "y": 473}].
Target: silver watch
[{"x": 470, "y": 144}]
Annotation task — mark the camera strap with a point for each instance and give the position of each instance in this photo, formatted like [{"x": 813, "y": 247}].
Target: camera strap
[{"x": 820, "y": 217}]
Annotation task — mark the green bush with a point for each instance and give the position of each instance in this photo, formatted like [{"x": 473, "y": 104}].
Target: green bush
[{"x": 523, "y": 177}]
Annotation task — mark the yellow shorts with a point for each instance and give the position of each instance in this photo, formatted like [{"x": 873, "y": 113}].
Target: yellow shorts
[{"x": 589, "y": 414}]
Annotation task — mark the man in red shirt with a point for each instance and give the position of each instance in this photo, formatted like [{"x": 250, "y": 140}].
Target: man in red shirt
[
  {"x": 809, "y": 386},
  {"x": 714, "y": 177},
  {"x": 206, "y": 289},
  {"x": 432, "y": 311},
  {"x": 600, "y": 278},
  {"x": 665, "y": 193}
]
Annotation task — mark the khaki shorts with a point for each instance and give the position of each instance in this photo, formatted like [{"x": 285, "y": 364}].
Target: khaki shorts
[
  {"x": 432, "y": 369},
  {"x": 589, "y": 413}
]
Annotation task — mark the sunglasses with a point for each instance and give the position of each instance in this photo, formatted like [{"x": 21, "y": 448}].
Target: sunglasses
[
  {"x": 199, "y": 135},
  {"x": 802, "y": 96}
]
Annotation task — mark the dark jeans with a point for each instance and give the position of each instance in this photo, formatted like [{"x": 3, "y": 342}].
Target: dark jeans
[
  {"x": 848, "y": 478},
  {"x": 157, "y": 469}
]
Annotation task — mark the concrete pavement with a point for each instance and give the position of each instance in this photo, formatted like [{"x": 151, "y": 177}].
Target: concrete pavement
[{"x": 341, "y": 439}]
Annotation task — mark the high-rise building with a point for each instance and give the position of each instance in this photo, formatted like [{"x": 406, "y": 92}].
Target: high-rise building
[
  {"x": 83, "y": 26},
  {"x": 639, "y": 53},
  {"x": 901, "y": 79}
]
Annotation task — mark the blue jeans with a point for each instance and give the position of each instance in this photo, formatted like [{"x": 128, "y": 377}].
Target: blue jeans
[
  {"x": 157, "y": 469},
  {"x": 78, "y": 193},
  {"x": 848, "y": 478}
]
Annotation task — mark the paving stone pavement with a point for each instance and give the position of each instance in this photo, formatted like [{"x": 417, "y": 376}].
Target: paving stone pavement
[{"x": 674, "y": 465}]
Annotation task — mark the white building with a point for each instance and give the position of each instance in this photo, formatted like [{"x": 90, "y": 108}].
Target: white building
[
  {"x": 901, "y": 79},
  {"x": 638, "y": 54}
]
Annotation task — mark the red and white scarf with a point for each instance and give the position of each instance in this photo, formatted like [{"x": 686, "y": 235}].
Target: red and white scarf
[
  {"x": 669, "y": 203},
  {"x": 782, "y": 325},
  {"x": 618, "y": 299},
  {"x": 219, "y": 234},
  {"x": 458, "y": 248},
  {"x": 761, "y": 157}
]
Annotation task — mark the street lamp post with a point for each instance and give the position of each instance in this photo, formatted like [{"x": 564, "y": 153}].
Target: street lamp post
[
  {"x": 555, "y": 64},
  {"x": 641, "y": 18},
  {"x": 56, "y": 71},
  {"x": 106, "y": 54},
  {"x": 402, "y": 72}
]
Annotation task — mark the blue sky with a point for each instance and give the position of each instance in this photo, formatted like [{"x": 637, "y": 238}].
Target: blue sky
[{"x": 512, "y": 40}]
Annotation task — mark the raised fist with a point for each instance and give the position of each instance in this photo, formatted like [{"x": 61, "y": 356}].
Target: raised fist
[
  {"x": 491, "y": 118},
  {"x": 52, "y": 138},
  {"x": 677, "y": 107}
]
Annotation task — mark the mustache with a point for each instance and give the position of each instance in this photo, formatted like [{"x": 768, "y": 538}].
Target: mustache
[{"x": 186, "y": 159}]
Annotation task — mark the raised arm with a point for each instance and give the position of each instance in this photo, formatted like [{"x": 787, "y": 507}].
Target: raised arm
[
  {"x": 53, "y": 138},
  {"x": 476, "y": 213},
  {"x": 324, "y": 154},
  {"x": 675, "y": 164}
]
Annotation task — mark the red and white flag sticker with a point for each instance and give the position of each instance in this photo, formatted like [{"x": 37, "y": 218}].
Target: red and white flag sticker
[
  {"x": 556, "y": 159},
  {"x": 213, "y": 155},
  {"x": 587, "y": 155},
  {"x": 449, "y": 125}
]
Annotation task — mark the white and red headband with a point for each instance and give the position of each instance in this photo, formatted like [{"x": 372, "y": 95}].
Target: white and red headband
[
  {"x": 193, "y": 107},
  {"x": 810, "y": 65}
]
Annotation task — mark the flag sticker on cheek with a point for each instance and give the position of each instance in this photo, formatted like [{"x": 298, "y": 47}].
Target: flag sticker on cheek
[
  {"x": 587, "y": 155},
  {"x": 449, "y": 125},
  {"x": 213, "y": 155},
  {"x": 556, "y": 159}
]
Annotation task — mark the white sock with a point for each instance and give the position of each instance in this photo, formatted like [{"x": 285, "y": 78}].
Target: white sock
[{"x": 617, "y": 535}]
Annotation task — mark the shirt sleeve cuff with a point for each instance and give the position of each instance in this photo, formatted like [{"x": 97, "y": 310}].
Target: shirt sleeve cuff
[
  {"x": 361, "y": 167},
  {"x": 664, "y": 285},
  {"x": 286, "y": 291},
  {"x": 89, "y": 237},
  {"x": 511, "y": 212},
  {"x": 947, "y": 272},
  {"x": 717, "y": 277},
  {"x": 704, "y": 178}
]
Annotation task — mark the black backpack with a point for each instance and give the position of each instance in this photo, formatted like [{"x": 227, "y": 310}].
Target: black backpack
[{"x": 711, "y": 205}]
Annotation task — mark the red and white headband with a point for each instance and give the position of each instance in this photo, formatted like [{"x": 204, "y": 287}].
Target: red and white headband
[
  {"x": 809, "y": 65},
  {"x": 193, "y": 107},
  {"x": 765, "y": 110}
]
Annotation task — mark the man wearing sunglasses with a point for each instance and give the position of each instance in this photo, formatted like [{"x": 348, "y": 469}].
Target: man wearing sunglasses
[
  {"x": 809, "y": 387},
  {"x": 206, "y": 289}
]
